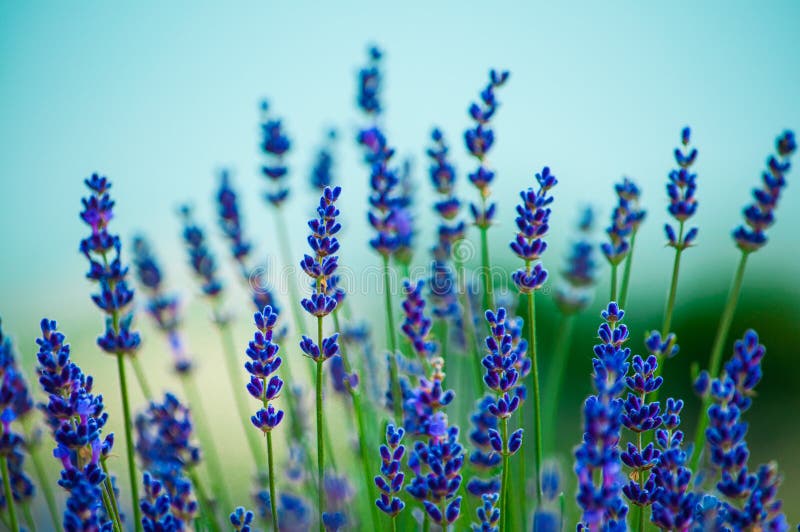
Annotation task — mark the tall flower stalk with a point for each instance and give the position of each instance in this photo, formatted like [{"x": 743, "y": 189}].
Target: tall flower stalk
[
  {"x": 265, "y": 386},
  {"x": 204, "y": 266},
  {"x": 479, "y": 140},
  {"x": 390, "y": 481},
  {"x": 502, "y": 378},
  {"x": 597, "y": 459},
  {"x": 758, "y": 216},
  {"x": 321, "y": 268},
  {"x": 164, "y": 308},
  {"x": 533, "y": 216},
  {"x": 102, "y": 250}
]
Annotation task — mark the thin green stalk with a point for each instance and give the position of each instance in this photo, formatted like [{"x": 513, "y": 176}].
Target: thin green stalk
[
  {"x": 468, "y": 322},
  {"x": 716, "y": 356},
  {"x": 555, "y": 376},
  {"x": 613, "y": 282},
  {"x": 537, "y": 406},
  {"x": 12, "y": 512},
  {"x": 486, "y": 271},
  {"x": 640, "y": 509},
  {"x": 26, "y": 510},
  {"x": 206, "y": 505},
  {"x": 109, "y": 487},
  {"x": 504, "y": 479},
  {"x": 394, "y": 523},
  {"x": 361, "y": 426},
  {"x": 394, "y": 370},
  {"x": 141, "y": 379},
  {"x": 670, "y": 305},
  {"x": 320, "y": 422},
  {"x": 236, "y": 383},
  {"x": 214, "y": 466},
  {"x": 130, "y": 450},
  {"x": 41, "y": 475},
  {"x": 108, "y": 508},
  {"x": 626, "y": 274},
  {"x": 273, "y": 495}
]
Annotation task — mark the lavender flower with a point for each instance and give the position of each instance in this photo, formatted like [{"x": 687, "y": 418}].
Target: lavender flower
[
  {"x": 274, "y": 145},
  {"x": 417, "y": 326},
  {"x": 674, "y": 504},
  {"x": 162, "y": 306},
  {"x": 753, "y": 496},
  {"x": 574, "y": 294},
  {"x": 322, "y": 171},
  {"x": 155, "y": 505},
  {"x": 230, "y": 222},
  {"x": 436, "y": 465},
  {"x": 369, "y": 84},
  {"x": 76, "y": 418},
  {"x": 241, "y": 519},
  {"x": 681, "y": 191},
  {"x": 102, "y": 250},
  {"x": 386, "y": 216},
  {"x": 264, "y": 385},
  {"x": 479, "y": 140},
  {"x": 533, "y": 216},
  {"x": 625, "y": 220},
  {"x": 338, "y": 494},
  {"x": 390, "y": 481},
  {"x": 548, "y": 517},
  {"x": 760, "y": 215},
  {"x": 483, "y": 457},
  {"x": 598, "y": 456},
  {"x": 201, "y": 259},
  {"x": 488, "y": 514}
]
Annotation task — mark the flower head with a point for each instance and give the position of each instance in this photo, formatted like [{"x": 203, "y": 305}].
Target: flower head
[
  {"x": 230, "y": 218},
  {"x": 241, "y": 519},
  {"x": 369, "y": 83},
  {"x": 265, "y": 385},
  {"x": 625, "y": 220},
  {"x": 102, "y": 249},
  {"x": 533, "y": 216},
  {"x": 201, "y": 259},
  {"x": 579, "y": 276},
  {"x": 322, "y": 171},
  {"x": 597, "y": 458},
  {"x": 760, "y": 215},
  {"x": 681, "y": 190},
  {"x": 274, "y": 145},
  {"x": 390, "y": 481}
]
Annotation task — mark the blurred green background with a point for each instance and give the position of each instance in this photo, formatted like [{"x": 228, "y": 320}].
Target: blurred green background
[{"x": 160, "y": 97}]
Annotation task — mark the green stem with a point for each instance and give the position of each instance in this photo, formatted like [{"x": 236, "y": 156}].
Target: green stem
[
  {"x": 273, "y": 495},
  {"x": 486, "y": 271},
  {"x": 640, "y": 511},
  {"x": 213, "y": 463},
  {"x": 12, "y": 512},
  {"x": 626, "y": 274},
  {"x": 204, "y": 500},
  {"x": 361, "y": 425},
  {"x": 394, "y": 370},
  {"x": 716, "y": 356},
  {"x": 504, "y": 479},
  {"x": 109, "y": 508},
  {"x": 320, "y": 422},
  {"x": 555, "y": 376},
  {"x": 141, "y": 378},
  {"x": 613, "y": 282},
  {"x": 41, "y": 475},
  {"x": 537, "y": 407},
  {"x": 236, "y": 382},
  {"x": 112, "y": 498},
  {"x": 26, "y": 510},
  {"x": 130, "y": 450},
  {"x": 394, "y": 523}
]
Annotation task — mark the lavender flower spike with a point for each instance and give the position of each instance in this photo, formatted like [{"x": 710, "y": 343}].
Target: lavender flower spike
[
  {"x": 390, "y": 481},
  {"x": 598, "y": 456},
  {"x": 681, "y": 190},
  {"x": 274, "y": 145},
  {"x": 574, "y": 294}
]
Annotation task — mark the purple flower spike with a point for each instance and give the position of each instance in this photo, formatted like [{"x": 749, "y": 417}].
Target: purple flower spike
[
  {"x": 760, "y": 215},
  {"x": 625, "y": 220},
  {"x": 264, "y": 385},
  {"x": 390, "y": 481},
  {"x": 681, "y": 190},
  {"x": 574, "y": 294},
  {"x": 274, "y": 145}
]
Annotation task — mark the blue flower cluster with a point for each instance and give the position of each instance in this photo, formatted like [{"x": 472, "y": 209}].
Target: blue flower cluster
[
  {"x": 597, "y": 459},
  {"x": 625, "y": 220},
  {"x": 15, "y": 404},
  {"x": 162, "y": 306},
  {"x": 388, "y": 216},
  {"x": 750, "y": 497},
  {"x": 264, "y": 385},
  {"x": 574, "y": 294},
  {"x": 681, "y": 190},
  {"x": 201, "y": 259},
  {"x": 76, "y": 418},
  {"x": 274, "y": 145},
  {"x": 533, "y": 216},
  {"x": 155, "y": 505},
  {"x": 416, "y": 325},
  {"x": 241, "y": 519},
  {"x": 479, "y": 140},
  {"x": 369, "y": 83},
  {"x": 489, "y": 514},
  {"x": 390, "y": 481},
  {"x": 760, "y": 215},
  {"x": 107, "y": 269},
  {"x": 321, "y": 268}
]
